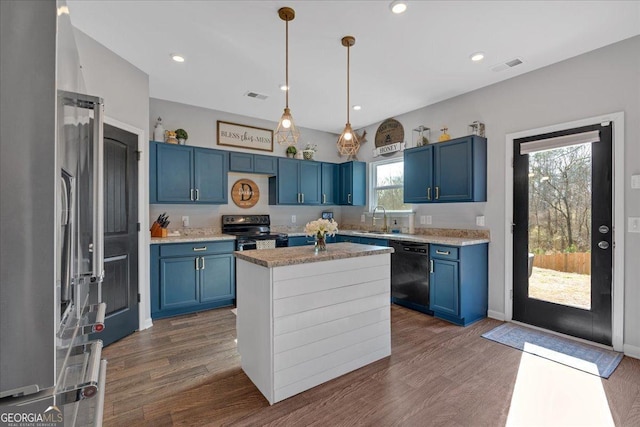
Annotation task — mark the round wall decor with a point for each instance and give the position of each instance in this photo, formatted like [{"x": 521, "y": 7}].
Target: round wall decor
[
  {"x": 389, "y": 132},
  {"x": 245, "y": 193}
]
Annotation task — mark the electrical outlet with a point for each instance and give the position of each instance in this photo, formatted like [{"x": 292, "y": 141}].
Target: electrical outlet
[
  {"x": 362, "y": 218},
  {"x": 293, "y": 219},
  {"x": 634, "y": 225},
  {"x": 480, "y": 221},
  {"x": 429, "y": 220},
  {"x": 185, "y": 221},
  {"x": 423, "y": 219}
]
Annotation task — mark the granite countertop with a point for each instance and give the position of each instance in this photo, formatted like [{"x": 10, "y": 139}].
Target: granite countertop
[
  {"x": 281, "y": 257},
  {"x": 192, "y": 238},
  {"x": 418, "y": 238}
]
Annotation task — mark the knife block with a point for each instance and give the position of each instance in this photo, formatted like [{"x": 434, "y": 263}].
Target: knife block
[{"x": 158, "y": 231}]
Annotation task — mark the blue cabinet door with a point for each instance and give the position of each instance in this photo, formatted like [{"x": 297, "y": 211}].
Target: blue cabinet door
[
  {"x": 267, "y": 165},
  {"x": 310, "y": 182},
  {"x": 453, "y": 171},
  {"x": 178, "y": 282},
  {"x": 373, "y": 241},
  {"x": 241, "y": 162},
  {"x": 444, "y": 287},
  {"x": 287, "y": 182},
  {"x": 329, "y": 183},
  {"x": 173, "y": 174},
  {"x": 346, "y": 183},
  {"x": 301, "y": 241},
  {"x": 418, "y": 175},
  {"x": 349, "y": 239},
  {"x": 217, "y": 278},
  {"x": 211, "y": 167}
]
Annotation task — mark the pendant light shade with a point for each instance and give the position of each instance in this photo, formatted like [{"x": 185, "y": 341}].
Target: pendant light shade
[
  {"x": 287, "y": 133},
  {"x": 348, "y": 144}
]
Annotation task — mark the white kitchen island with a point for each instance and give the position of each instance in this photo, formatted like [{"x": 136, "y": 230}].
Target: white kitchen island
[{"x": 306, "y": 318}]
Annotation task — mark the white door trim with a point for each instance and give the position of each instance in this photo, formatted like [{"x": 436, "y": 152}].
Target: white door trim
[
  {"x": 618, "y": 216},
  {"x": 143, "y": 218}
]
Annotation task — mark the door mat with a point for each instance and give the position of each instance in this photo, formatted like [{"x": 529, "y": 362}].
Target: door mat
[{"x": 585, "y": 357}]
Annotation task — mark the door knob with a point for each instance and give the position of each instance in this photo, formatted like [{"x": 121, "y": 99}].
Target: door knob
[{"x": 603, "y": 245}]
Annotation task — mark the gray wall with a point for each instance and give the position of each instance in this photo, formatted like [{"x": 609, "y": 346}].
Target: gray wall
[
  {"x": 603, "y": 81},
  {"x": 200, "y": 123},
  {"x": 125, "y": 90}
]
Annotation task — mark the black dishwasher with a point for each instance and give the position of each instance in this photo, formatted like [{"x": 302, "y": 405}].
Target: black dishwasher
[{"x": 410, "y": 275}]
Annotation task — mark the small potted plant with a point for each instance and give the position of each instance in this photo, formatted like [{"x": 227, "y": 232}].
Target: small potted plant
[
  {"x": 182, "y": 136},
  {"x": 291, "y": 151},
  {"x": 309, "y": 151}
]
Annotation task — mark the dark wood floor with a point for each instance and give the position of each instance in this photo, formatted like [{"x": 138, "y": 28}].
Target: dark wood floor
[{"x": 186, "y": 371}]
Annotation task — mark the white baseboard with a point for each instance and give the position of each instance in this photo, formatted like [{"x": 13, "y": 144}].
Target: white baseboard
[
  {"x": 495, "y": 315},
  {"x": 632, "y": 351},
  {"x": 146, "y": 324}
]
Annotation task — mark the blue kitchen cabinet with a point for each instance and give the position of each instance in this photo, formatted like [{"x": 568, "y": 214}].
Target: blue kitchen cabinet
[
  {"x": 190, "y": 277},
  {"x": 307, "y": 240},
  {"x": 418, "y": 174},
  {"x": 298, "y": 182},
  {"x": 187, "y": 175},
  {"x": 362, "y": 240},
  {"x": 452, "y": 171},
  {"x": 330, "y": 176},
  {"x": 458, "y": 282},
  {"x": 352, "y": 188},
  {"x": 252, "y": 163}
]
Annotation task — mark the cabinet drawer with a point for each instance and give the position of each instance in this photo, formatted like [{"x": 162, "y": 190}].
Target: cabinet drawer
[
  {"x": 196, "y": 248},
  {"x": 443, "y": 252}
]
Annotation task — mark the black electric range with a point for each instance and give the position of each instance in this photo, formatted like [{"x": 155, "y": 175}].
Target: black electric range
[{"x": 248, "y": 229}]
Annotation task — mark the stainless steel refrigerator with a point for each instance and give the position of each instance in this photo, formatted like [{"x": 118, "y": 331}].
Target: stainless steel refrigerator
[{"x": 51, "y": 218}]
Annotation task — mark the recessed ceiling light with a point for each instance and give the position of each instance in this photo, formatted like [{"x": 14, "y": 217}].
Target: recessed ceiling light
[
  {"x": 398, "y": 6},
  {"x": 357, "y": 107},
  {"x": 283, "y": 87},
  {"x": 177, "y": 58},
  {"x": 477, "y": 56}
]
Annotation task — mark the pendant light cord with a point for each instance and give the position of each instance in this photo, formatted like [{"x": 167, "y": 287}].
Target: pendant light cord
[
  {"x": 286, "y": 61},
  {"x": 348, "y": 67}
]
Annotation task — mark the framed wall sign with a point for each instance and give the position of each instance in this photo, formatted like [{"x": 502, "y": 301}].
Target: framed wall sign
[
  {"x": 245, "y": 193},
  {"x": 243, "y": 136}
]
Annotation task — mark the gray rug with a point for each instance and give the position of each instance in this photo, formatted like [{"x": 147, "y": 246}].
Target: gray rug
[{"x": 587, "y": 358}]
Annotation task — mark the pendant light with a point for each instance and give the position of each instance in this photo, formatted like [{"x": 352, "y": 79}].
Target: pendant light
[
  {"x": 348, "y": 144},
  {"x": 287, "y": 133}
]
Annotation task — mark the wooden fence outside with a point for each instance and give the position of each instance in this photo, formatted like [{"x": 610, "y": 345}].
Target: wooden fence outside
[{"x": 569, "y": 263}]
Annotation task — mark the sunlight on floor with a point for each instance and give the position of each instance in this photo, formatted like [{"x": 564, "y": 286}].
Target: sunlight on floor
[{"x": 550, "y": 394}]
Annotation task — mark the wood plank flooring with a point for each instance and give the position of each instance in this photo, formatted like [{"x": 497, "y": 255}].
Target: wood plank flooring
[{"x": 185, "y": 371}]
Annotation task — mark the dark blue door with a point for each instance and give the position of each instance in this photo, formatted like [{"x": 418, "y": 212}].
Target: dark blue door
[
  {"x": 178, "y": 282},
  {"x": 453, "y": 166},
  {"x": 418, "y": 175},
  {"x": 310, "y": 181},
  {"x": 174, "y": 173},
  {"x": 444, "y": 287},
  {"x": 210, "y": 177},
  {"x": 329, "y": 183},
  {"x": 288, "y": 177},
  {"x": 216, "y": 278}
]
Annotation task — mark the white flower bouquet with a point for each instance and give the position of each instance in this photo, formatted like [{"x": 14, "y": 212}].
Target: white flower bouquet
[{"x": 321, "y": 227}]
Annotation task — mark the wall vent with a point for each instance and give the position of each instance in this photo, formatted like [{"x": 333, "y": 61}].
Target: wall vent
[
  {"x": 508, "y": 64},
  {"x": 256, "y": 95}
]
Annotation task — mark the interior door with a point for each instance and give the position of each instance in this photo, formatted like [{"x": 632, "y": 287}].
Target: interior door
[
  {"x": 563, "y": 245},
  {"x": 120, "y": 286}
]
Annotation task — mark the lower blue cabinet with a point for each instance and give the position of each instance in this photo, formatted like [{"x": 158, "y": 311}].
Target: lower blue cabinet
[
  {"x": 362, "y": 240},
  {"x": 307, "y": 240},
  {"x": 190, "y": 277},
  {"x": 458, "y": 282}
]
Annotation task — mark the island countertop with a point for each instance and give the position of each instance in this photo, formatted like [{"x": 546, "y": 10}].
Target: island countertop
[{"x": 280, "y": 257}]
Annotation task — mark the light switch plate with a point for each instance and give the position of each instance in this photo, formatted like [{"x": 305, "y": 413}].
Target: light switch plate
[
  {"x": 423, "y": 219},
  {"x": 634, "y": 225},
  {"x": 362, "y": 218},
  {"x": 185, "y": 221},
  {"x": 293, "y": 219},
  {"x": 429, "y": 220},
  {"x": 480, "y": 221},
  {"x": 635, "y": 182}
]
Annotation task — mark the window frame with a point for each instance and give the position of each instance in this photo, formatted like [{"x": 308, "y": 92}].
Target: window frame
[{"x": 372, "y": 185}]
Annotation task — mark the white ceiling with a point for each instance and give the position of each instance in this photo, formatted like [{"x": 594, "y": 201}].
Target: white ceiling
[{"x": 398, "y": 64}]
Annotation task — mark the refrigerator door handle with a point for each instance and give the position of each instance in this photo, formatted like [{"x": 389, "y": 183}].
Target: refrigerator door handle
[{"x": 98, "y": 191}]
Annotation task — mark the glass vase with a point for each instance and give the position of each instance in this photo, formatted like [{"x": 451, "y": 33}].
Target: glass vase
[{"x": 321, "y": 244}]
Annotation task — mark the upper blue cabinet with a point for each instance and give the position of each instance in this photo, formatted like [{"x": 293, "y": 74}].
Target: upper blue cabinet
[
  {"x": 191, "y": 175},
  {"x": 352, "y": 184},
  {"x": 253, "y": 163},
  {"x": 298, "y": 182},
  {"x": 446, "y": 172}
]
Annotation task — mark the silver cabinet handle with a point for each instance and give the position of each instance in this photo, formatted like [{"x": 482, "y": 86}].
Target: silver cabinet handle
[
  {"x": 437, "y": 192},
  {"x": 324, "y": 198},
  {"x": 429, "y": 193},
  {"x": 197, "y": 194},
  {"x": 202, "y": 268},
  {"x": 197, "y": 263},
  {"x": 439, "y": 252},
  {"x": 430, "y": 266},
  {"x": 349, "y": 198},
  {"x": 191, "y": 194},
  {"x": 298, "y": 197},
  {"x": 200, "y": 249},
  {"x": 302, "y": 194}
]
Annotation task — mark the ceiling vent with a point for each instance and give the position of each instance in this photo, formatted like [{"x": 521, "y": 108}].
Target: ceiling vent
[
  {"x": 508, "y": 64},
  {"x": 256, "y": 95}
]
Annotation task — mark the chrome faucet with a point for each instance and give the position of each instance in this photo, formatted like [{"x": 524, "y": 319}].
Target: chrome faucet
[{"x": 384, "y": 213}]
